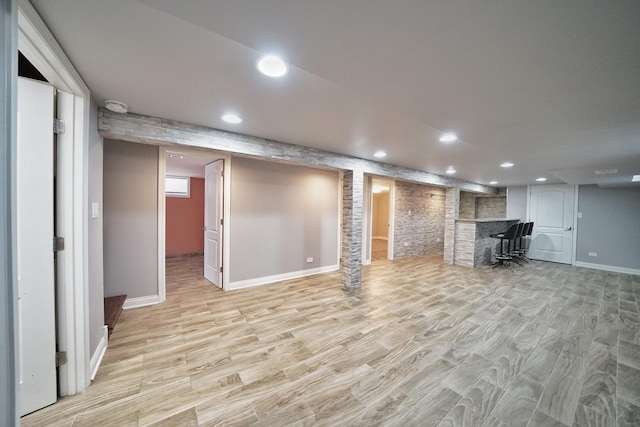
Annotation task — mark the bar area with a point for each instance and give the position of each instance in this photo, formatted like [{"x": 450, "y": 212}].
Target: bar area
[{"x": 474, "y": 246}]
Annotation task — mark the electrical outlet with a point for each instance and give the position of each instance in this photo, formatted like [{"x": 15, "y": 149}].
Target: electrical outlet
[
  {"x": 593, "y": 253},
  {"x": 579, "y": 215},
  {"x": 406, "y": 244},
  {"x": 309, "y": 259},
  {"x": 438, "y": 239}
]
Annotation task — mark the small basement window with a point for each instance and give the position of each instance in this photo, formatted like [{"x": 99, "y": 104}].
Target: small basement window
[{"x": 177, "y": 186}]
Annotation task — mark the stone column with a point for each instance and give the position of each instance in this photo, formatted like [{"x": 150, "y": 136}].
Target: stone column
[
  {"x": 352, "y": 204},
  {"x": 451, "y": 212}
]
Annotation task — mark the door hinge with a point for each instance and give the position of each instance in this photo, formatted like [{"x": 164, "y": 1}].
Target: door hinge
[
  {"x": 221, "y": 221},
  {"x": 221, "y": 268},
  {"x": 58, "y": 244},
  {"x": 61, "y": 358},
  {"x": 58, "y": 126}
]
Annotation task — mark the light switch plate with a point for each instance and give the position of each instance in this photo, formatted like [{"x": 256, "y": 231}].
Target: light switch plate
[{"x": 95, "y": 210}]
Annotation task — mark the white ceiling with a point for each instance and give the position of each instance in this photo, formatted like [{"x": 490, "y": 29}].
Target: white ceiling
[{"x": 553, "y": 86}]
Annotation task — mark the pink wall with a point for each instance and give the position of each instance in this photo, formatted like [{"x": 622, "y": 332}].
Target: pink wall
[{"x": 184, "y": 221}]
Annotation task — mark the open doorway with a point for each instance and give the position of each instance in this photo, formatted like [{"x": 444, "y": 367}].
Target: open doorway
[
  {"x": 189, "y": 206},
  {"x": 381, "y": 219}
]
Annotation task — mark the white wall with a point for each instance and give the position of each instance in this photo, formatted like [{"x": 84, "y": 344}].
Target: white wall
[
  {"x": 130, "y": 219},
  {"x": 95, "y": 249},
  {"x": 517, "y": 202},
  {"x": 280, "y": 215}
]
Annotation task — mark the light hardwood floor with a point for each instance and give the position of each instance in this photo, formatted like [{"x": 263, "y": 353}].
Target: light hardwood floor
[{"x": 424, "y": 344}]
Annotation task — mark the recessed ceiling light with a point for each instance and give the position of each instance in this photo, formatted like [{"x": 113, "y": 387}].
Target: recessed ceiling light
[
  {"x": 272, "y": 66},
  {"x": 231, "y": 118},
  {"x": 493, "y": 182},
  {"x": 636, "y": 178},
  {"x": 448, "y": 137},
  {"x": 506, "y": 165},
  {"x": 541, "y": 179},
  {"x": 380, "y": 154},
  {"x": 450, "y": 170}
]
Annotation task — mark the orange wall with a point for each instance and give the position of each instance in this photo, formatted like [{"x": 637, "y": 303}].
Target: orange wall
[{"x": 184, "y": 221}]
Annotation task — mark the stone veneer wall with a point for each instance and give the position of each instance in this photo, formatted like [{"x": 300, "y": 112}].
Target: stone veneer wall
[
  {"x": 352, "y": 197},
  {"x": 451, "y": 212},
  {"x": 467, "y": 205},
  {"x": 418, "y": 219},
  {"x": 477, "y": 206},
  {"x": 491, "y": 207},
  {"x": 465, "y": 243}
]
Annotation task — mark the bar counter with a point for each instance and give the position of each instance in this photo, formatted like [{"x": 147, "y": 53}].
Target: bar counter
[{"x": 474, "y": 245}]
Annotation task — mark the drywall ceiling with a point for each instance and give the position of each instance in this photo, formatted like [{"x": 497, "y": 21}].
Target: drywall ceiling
[{"x": 549, "y": 85}]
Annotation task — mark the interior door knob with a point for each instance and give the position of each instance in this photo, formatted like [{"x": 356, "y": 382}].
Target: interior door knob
[{"x": 568, "y": 229}]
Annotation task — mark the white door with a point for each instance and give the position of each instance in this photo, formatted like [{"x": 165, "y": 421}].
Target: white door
[
  {"x": 551, "y": 209},
  {"x": 213, "y": 189},
  {"x": 36, "y": 301}
]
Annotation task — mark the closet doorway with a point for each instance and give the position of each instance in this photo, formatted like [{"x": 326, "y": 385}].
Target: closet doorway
[{"x": 381, "y": 219}]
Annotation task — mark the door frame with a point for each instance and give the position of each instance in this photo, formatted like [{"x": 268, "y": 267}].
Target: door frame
[
  {"x": 574, "y": 235},
  {"x": 38, "y": 45},
  {"x": 162, "y": 215},
  {"x": 367, "y": 217}
]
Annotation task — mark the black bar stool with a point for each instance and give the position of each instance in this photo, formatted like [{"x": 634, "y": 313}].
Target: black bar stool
[
  {"x": 514, "y": 245},
  {"x": 502, "y": 258}
]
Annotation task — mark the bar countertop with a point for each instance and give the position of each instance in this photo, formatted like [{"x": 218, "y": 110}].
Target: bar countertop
[{"x": 487, "y": 219}]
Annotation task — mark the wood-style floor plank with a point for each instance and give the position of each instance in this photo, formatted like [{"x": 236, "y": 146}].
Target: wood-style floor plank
[{"x": 424, "y": 343}]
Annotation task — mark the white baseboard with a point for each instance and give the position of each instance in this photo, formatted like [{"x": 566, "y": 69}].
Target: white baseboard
[
  {"x": 141, "y": 301},
  {"x": 96, "y": 359},
  {"x": 612, "y": 268},
  {"x": 380, "y": 237},
  {"x": 280, "y": 277}
]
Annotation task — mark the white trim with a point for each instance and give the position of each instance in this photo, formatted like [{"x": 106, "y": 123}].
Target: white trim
[
  {"x": 37, "y": 43},
  {"x": 379, "y": 238},
  {"x": 140, "y": 302},
  {"x": 367, "y": 218},
  {"x": 612, "y": 268},
  {"x": 96, "y": 359},
  {"x": 240, "y": 284},
  {"x": 574, "y": 248},
  {"x": 162, "y": 210},
  {"x": 392, "y": 219},
  {"x": 226, "y": 223},
  {"x": 340, "y": 215}
]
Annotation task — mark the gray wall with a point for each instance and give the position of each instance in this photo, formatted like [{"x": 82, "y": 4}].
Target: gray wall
[
  {"x": 609, "y": 226},
  {"x": 280, "y": 215},
  {"x": 95, "y": 273},
  {"x": 130, "y": 219},
  {"x": 418, "y": 219},
  {"x": 8, "y": 107},
  {"x": 517, "y": 202}
]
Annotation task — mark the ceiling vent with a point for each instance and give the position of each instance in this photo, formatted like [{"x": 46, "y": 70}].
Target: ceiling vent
[
  {"x": 116, "y": 106},
  {"x": 606, "y": 171}
]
